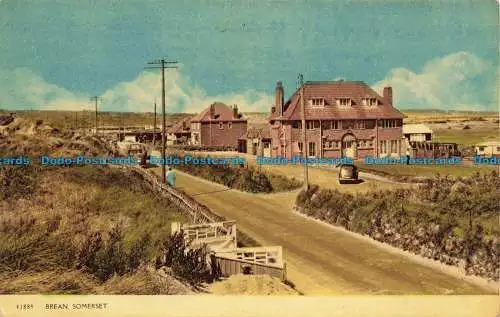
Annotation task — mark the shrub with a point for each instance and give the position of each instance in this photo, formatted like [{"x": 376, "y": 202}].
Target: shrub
[
  {"x": 18, "y": 181},
  {"x": 186, "y": 262}
]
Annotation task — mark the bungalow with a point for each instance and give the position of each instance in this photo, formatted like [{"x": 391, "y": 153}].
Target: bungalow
[
  {"x": 417, "y": 132},
  {"x": 218, "y": 125},
  {"x": 488, "y": 148}
]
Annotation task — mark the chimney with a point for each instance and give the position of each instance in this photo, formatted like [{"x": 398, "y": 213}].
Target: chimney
[
  {"x": 388, "y": 94},
  {"x": 212, "y": 111},
  {"x": 280, "y": 98},
  {"x": 235, "y": 111}
]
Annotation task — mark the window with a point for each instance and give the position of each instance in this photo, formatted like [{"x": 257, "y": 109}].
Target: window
[
  {"x": 300, "y": 147},
  {"x": 383, "y": 147},
  {"x": 348, "y": 124},
  {"x": 317, "y": 102},
  {"x": 312, "y": 149},
  {"x": 221, "y": 125},
  {"x": 369, "y": 102},
  {"x": 344, "y": 102},
  {"x": 310, "y": 125},
  {"x": 388, "y": 123},
  {"x": 229, "y": 125},
  {"x": 370, "y": 144},
  {"x": 330, "y": 125},
  {"x": 296, "y": 124},
  {"x": 394, "y": 146},
  {"x": 498, "y": 148},
  {"x": 360, "y": 124}
]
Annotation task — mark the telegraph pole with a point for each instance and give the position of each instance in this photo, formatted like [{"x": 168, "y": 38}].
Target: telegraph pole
[
  {"x": 304, "y": 138},
  {"x": 163, "y": 64},
  {"x": 154, "y": 127},
  {"x": 95, "y": 99}
]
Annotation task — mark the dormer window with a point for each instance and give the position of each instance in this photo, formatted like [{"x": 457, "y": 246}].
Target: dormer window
[
  {"x": 318, "y": 102},
  {"x": 370, "y": 102},
  {"x": 344, "y": 102}
]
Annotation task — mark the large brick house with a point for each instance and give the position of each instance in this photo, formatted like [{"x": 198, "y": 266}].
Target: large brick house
[
  {"x": 218, "y": 125},
  {"x": 343, "y": 118}
]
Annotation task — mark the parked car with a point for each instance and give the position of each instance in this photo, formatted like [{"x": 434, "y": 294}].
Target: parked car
[{"x": 348, "y": 174}]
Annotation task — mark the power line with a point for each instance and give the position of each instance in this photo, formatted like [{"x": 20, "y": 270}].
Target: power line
[{"x": 163, "y": 64}]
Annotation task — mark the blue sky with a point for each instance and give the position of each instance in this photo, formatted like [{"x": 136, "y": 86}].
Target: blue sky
[{"x": 435, "y": 54}]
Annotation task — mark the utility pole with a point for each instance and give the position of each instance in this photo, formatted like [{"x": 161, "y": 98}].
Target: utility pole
[
  {"x": 96, "y": 99},
  {"x": 154, "y": 127},
  {"x": 162, "y": 64},
  {"x": 304, "y": 138}
]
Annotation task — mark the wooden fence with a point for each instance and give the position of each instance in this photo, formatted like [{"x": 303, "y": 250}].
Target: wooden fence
[{"x": 223, "y": 266}]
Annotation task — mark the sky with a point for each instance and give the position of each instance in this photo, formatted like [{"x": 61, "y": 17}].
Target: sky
[{"x": 56, "y": 54}]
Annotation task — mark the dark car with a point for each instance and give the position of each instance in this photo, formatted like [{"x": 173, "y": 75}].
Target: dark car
[{"x": 348, "y": 174}]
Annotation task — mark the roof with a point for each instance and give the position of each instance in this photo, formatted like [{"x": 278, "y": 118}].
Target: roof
[
  {"x": 330, "y": 91},
  {"x": 489, "y": 143},
  {"x": 261, "y": 131},
  {"x": 416, "y": 128},
  {"x": 178, "y": 127},
  {"x": 222, "y": 113}
]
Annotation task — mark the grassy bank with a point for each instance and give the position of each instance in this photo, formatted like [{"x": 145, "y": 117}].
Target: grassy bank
[
  {"x": 81, "y": 230},
  {"x": 453, "y": 221}
]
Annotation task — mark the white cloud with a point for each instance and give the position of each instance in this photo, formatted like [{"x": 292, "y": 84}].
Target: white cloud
[
  {"x": 459, "y": 81},
  {"x": 22, "y": 88}
]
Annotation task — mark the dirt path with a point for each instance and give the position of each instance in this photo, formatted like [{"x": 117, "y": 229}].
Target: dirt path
[{"x": 321, "y": 260}]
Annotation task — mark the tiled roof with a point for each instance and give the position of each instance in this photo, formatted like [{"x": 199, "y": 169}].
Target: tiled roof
[
  {"x": 178, "y": 127},
  {"x": 222, "y": 113},
  {"x": 330, "y": 92},
  {"x": 261, "y": 131}
]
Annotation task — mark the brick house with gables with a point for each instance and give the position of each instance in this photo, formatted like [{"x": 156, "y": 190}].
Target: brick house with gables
[
  {"x": 218, "y": 125},
  {"x": 343, "y": 118}
]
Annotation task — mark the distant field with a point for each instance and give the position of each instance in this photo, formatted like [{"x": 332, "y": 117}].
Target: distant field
[
  {"x": 467, "y": 137},
  {"x": 436, "y": 115}
]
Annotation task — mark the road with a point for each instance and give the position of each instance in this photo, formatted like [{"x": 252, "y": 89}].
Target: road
[{"x": 321, "y": 260}]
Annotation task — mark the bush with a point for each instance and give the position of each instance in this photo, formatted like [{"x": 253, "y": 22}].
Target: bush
[
  {"x": 186, "y": 263},
  {"x": 245, "y": 179},
  {"x": 18, "y": 181}
]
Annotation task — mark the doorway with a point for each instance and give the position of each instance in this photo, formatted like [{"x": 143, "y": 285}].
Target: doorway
[{"x": 349, "y": 146}]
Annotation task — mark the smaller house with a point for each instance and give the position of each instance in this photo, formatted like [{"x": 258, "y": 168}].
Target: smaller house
[
  {"x": 417, "y": 132},
  {"x": 218, "y": 125},
  {"x": 180, "y": 133},
  {"x": 256, "y": 141},
  {"x": 488, "y": 148}
]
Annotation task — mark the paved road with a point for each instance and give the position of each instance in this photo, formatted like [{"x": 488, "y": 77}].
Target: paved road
[{"x": 321, "y": 260}]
